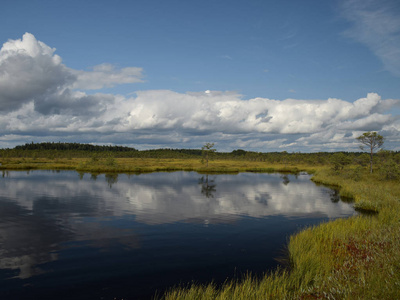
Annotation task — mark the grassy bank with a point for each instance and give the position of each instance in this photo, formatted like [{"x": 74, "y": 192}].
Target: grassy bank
[
  {"x": 354, "y": 258},
  {"x": 137, "y": 165}
]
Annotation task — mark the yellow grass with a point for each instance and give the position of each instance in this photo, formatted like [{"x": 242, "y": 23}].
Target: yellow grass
[{"x": 132, "y": 165}]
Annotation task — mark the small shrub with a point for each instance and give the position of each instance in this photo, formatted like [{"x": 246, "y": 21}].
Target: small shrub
[
  {"x": 356, "y": 175},
  {"x": 339, "y": 161},
  {"x": 111, "y": 162},
  {"x": 390, "y": 170}
]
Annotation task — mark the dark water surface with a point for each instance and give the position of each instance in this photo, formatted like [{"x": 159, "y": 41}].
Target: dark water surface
[{"x": 79, "y": 236}]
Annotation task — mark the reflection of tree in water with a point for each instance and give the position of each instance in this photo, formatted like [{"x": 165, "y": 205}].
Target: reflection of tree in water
[
  {"x": 334, "y": 195},
  {"x": 93, "y": 176},
  {"x": 285, "y": 179},
  {"x": 207, "y": 186},
  {"x": 111, "y": 178}
]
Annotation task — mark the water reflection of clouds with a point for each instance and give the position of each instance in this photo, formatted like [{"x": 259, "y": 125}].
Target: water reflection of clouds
[
  {"x": 27, "y": 240},
  {"x": 172, "y": 197},
  {"x": 235, "y": 196},
  {"x": 42, "y": 210}
]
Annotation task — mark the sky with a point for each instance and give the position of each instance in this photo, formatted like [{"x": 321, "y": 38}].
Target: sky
[{"x": 258, "y": 75}]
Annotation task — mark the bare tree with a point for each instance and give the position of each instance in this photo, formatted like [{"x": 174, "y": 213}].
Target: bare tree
[{"x": 370, "y": 141}]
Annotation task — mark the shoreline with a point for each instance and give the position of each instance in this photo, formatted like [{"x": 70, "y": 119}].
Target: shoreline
[{"x": 356, "y": 257}]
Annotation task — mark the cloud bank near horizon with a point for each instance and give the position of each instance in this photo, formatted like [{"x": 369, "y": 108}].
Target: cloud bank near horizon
[{"x": 41, "y": 99}]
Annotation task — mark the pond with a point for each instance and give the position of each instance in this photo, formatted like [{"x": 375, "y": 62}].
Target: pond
[{"x": 82, "y": 236}]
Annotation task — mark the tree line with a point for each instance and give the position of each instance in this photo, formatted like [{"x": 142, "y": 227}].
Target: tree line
[
  {"x": 73, "y": 146},
  {"x": 370, "y": 142},
  {"x": 82, "y": 150}
]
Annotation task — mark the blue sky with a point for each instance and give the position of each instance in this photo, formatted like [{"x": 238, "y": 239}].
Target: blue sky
[{"x": 257, "y": 75}]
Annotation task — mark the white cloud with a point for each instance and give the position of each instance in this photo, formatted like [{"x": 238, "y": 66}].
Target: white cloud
[
  {"x": 106, "y": 75},
  {"x": 227, "y": 57},
  {"x": 29, "y": 71},
  {"x": 38, "y": 99},
  {"x": 377, "y": 25}
]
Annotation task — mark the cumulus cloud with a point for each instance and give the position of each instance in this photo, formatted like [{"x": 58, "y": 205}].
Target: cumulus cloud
[
  {"x": 29, "y": 71},
  {"x": 42, "y": 99},
  {"x": 227, "y": 112},
  {"x": 375, "y": 24}
]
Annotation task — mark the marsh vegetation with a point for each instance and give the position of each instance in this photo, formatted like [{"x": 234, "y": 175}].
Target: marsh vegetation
[{"x": 353, "y": 258}]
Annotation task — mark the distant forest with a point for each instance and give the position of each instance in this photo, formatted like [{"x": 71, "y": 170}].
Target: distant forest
[
  {"x": 72, "y": 146},
  {"x": 69, "y": 150}
]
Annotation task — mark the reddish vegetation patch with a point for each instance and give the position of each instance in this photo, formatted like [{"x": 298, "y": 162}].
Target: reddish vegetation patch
[
  {"x": 352, "y": 256},
  {"x": 311, "y": 296},
  {"x": 356, "y": 254}
]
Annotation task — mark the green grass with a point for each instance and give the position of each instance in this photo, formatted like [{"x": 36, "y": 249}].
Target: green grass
[{"x": 136, "y": 165}]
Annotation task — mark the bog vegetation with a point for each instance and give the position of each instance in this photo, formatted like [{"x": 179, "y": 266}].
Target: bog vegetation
[
  {"x": 92, "y": 158},
  {"x": 354, "y": 258}
]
